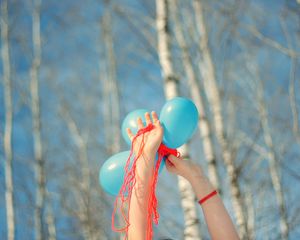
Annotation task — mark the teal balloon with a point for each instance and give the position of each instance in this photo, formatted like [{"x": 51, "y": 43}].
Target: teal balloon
[
  {"x": 112, "y": 172},
  {"x": 130, "y": 122},
  {"x": 179, "y": 117}
]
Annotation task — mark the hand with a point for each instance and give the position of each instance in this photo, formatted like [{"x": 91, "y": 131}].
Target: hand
[
  {"x": 189, "y": 170},
  {"x": 152, "y": 139}
]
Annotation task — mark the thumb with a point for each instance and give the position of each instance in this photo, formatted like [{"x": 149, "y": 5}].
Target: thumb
[{"x": 173, "y": 159}]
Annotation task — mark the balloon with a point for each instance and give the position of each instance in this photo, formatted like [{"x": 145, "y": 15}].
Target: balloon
[
  {"x": 179, "y": 117},
  {"x": 112, "y": 172},
  {"x": 130, "y": 122}
]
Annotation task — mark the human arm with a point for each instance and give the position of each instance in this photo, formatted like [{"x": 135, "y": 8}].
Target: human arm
[
  {"x": 219, "y": 223},
  {"x": 144, "y": 172}
]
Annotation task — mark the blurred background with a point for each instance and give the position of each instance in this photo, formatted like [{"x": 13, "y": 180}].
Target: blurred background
[{"x": 70, "y": 72}]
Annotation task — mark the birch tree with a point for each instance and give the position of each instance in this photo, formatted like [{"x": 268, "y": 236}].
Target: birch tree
[
  {"x": 208, "y": 74},
  {"x": 36, "y": 122},
  {"x": 50, "y": 221},
  {"x": 191, "y": 230},
  {"x": 82, "y": 192},
  {"x": 8, "y": 101},
  {"x": 274, "y": 168},
  {"x": 80, "y": 197},
  {"x": 272, "y": 159},
  {"x": 292, "y": 83},
  {"x": 193, "y": 82},
  {"x": 110, "y": 90}
]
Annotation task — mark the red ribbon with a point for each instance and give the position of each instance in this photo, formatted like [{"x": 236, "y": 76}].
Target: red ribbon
[{"x": 130, "y": 179}]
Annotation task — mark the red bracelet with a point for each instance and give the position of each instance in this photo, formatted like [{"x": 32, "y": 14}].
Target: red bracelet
[{"x": 208, "y": 196}]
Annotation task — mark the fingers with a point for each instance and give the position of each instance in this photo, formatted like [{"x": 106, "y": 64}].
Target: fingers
[
  {"x": 148, "y": 120},
  {"x": 171, "y": 168},
  {"x": 174, "y": 160},
  {"x": 147, "y": 117},
  {"x": 169, "y": 165},
  {"x": 154, "y": 117},
  {"x": 140, "y": 123},
  {"x": 129, "y": 133}
]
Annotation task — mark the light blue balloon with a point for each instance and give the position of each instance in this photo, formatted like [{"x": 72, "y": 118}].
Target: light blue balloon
[
  {"x": 179, "y": 117},
  {"x": 111, "y": 174},
  {"x": 130, "y": 121}
]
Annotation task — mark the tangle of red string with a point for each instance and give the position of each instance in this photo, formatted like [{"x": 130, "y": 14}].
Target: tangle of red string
[{"x": 130, "y": 180}]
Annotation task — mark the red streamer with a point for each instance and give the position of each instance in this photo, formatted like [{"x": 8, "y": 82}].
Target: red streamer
[{"x": 129, "y": 182}]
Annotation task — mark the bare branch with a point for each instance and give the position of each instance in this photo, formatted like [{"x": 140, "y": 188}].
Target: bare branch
[
  {"x": 292, "y": 92},
  {"x": 270, "y": 42}
]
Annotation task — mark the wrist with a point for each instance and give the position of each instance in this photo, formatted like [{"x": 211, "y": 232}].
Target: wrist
[
  {"x": 201, "y": 186},
  {"x": 145, "y": 166},
  {"x": 196, "y": 176},
  {"x": 199, "y": 181}
]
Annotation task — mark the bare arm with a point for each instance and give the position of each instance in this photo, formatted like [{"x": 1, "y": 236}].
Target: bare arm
[
  {"x": 219, "y": 223},
  {"x": 217, "y": 218},
  {"x": 144, "y": 171},
  {"x": 139, "y": 201}
]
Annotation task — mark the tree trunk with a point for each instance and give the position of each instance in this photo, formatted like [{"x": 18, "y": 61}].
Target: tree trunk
[
  {"x": 83, "y": 200},
  {"x": 110, "y": 86},
  {"x": 273, "y": 165},
  {"x": 203, "y": 123},
  {"x": 191, "y": 220},
  {"x": 36, "y": 121},
  {"x": 192, "y": 230},
  {"x": 210, "y": 85},
  {"x": 250, "y": 215},
  {"x": 51, "y": 222},
  {"x": 110, "y": 90},
  {"x": 292, "y": 81},
  {"x": 9, "y": 188},
  {"x": 292, "y": 98}
]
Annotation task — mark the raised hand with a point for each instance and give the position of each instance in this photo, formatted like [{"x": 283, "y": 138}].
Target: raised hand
[{"x": 152, "y": 139}]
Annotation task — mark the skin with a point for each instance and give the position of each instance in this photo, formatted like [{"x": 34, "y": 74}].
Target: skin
[{"x": 219, "y": 223}]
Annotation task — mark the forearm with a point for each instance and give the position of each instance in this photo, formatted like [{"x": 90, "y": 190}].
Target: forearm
[
  {"x": 139, "y": 198},
  {"x": 219, "y": 223}
]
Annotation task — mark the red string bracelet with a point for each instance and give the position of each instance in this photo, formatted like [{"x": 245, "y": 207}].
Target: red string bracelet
[{"x": 208, "y": 196}]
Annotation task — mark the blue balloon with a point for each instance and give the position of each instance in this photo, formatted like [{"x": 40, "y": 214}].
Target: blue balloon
[
  {"x": 111, "y": 174},
  {"x": 179, "y": 117},
  {"x": 130, "y": 122}
]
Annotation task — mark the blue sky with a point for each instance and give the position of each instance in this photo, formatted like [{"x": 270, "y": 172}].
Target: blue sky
[{"x": 70, "y": 72}]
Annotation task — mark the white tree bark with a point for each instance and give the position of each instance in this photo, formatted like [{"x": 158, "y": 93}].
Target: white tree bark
[
  {"x": 165, "y": 58},
  {"x": 36, "y": 121},
  {"x": 110, "y": 91},
  {"x": 82, "y": 199},
  {"x": 9, "y": 188},
  {"x": 273, "y": 164},
  {"x": 292, "y": 92},
  {"x": 188, "y": 202},
  {"x": 110, "y": 86},
  {"x": 83, "y": 189},
  {"x": 51, "y": 222},
  {"x": 292, "y": 98},
  {"x": 250, "y": 215},
  {"x": 191, "y": 219},
  {"x": 203, "y": 123},
  {"x": 210, "y": 85}
]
